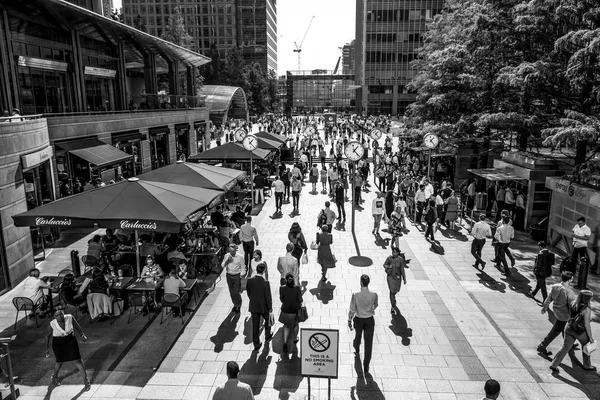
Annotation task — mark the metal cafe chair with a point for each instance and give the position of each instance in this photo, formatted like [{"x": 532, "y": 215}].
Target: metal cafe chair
[
  {"x": 26, "y": 304},
  {"x": 172, "y": 300}
]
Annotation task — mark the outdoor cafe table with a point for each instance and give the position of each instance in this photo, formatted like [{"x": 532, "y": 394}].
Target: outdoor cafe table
[
  {"x": 145, "y": 285},
  {"x": 210, "y": 256}
]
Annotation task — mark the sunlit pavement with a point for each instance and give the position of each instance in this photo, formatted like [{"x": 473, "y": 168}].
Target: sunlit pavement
[{"x": 459, "y": 326}]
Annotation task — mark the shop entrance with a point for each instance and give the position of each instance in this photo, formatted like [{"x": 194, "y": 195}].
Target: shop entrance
[
  {"x": 38, "y": 191},
  {"x": 182, "y": 141},
  {"x": 159, "y": 151}
]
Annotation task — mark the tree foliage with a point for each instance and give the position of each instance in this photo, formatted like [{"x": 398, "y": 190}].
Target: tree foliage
[{"x": 498, "y": 68}]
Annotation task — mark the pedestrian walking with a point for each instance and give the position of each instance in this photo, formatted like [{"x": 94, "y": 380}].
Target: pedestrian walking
[
  {"x": 358, "y": 183},
  {"x": 314, "y": 177},
  {"x": 503, "y": 214},
  {"x": 378, "y": 210},
  {"x": 340, "y": 199},
  {"x": 296, "y": 237},
  {"x": 561, "y": 298},
  {"x": 234, "y": 264},
  {"x": 233, "y": 389},
  {"x": 431, "y": 217},
  {"x": 257, "y": 259},
  {"x": 421, "y": 202},
  {"x": 480, "y": 231},
  {"x": 581, "y": 235},
  {"x": 324, "y": 178},
  {"x": 325, "y": 257},
  {"x": 451, "y": 209},
  {"x": 492, "y": 389},
  {"x": 578, "y": 328},
  {"x": 326, "y": 217},
  {"x": 286, "y": 179},
  {"x": 260, "y": 304},
  {"x": 296, "y": 189},
  {"x": 504, "y": 234},
  {"x": 279, "y": 188},
  {"x": 291, "y": 302},
  {"x": 65, "y": 346},
  {"x": 542, "y": 270},
  {"x": 394, "y": 267},
  {"x": 259, "y": 186},
  {"x": 362, "y": 310},
  {"x": 395, "y": 227},
  {"x": 289, "y": 264},
  {"x": 249, "y": 238}
]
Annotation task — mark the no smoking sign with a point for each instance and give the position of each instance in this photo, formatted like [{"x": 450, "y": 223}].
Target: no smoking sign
[{"x": 319, "y": 352}]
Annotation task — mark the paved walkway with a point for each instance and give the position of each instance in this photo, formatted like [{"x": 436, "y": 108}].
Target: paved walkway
[{"x": 459, "y": 326}]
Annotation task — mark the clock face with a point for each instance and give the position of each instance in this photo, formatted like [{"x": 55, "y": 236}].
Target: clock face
[
  {"x": 309, "y": 131},
  {"x": 431, "y": 140},
  {"x": 375, "y": 134},
  {"x": 250, "y": 142},
  {"x": 354, "y": 151},
  {"x": 240, "y": 134}
]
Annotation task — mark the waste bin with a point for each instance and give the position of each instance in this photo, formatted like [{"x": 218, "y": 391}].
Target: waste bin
[{"x": 75, "y": 266}]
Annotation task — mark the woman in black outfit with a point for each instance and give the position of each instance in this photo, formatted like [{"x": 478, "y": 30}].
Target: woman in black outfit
[{"x": 291, "y": 302}]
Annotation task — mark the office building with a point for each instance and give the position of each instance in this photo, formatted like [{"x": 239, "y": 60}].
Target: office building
[
  {"x": 319, "y": 90},
  {"x": 250, "y": 25},
  {"x": 388, "y": 34},
  {"x": 348, "y": 58},
  {"x": 85, "y": 87}
]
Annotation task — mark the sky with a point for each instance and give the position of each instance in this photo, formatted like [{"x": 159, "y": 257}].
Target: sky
[{"x": 332, "y": 27}]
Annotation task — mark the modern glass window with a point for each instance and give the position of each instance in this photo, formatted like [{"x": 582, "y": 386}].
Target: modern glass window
[
  {"x": 44, "y": 91},
  {"x": 99, "y": 93}
]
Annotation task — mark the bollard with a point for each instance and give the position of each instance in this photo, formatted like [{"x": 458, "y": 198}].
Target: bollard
[{"x": 75, "y": 266}]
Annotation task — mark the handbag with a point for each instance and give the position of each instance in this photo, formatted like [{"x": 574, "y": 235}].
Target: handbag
[
  {"x": 577, "y": 323},
  {"x": 589, "y": 348},
  {"x": 304, "y": 258},
  {"x": 302, "y": 314},
  {"x": 314, "y": 245}
]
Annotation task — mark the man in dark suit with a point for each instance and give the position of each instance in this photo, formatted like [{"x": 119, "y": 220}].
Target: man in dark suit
[
  {"x": 261, "y": 304},
  {"x": 542, "y": 269}
]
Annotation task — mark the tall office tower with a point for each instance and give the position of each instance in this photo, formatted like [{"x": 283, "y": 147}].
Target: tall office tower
[
  {"x": 388, "y": 34},
  {"x": 102, "y": 7},
  {"x": 251, "y": 25},
  {"x": 348, "y": 58}
]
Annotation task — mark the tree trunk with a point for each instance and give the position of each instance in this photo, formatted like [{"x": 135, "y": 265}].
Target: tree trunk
[
  {"x": 523, "y": 136},
  {"x": 580, "y": 152}
]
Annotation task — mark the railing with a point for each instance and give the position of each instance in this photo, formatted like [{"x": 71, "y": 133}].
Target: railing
[
  {"x": 143, "y": 103},
  {"x": 20, "y": 118}
]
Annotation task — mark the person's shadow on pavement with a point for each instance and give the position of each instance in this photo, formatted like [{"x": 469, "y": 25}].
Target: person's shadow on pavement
[
  {"x": 366, "y": 388},
  {"x": 254, "y": 371},
  {"x": 288, "y": 376},
  {"x": 400, "y": 328},
  {"x": 226, "y": 332},
  {"x": 323, "y": 292}
]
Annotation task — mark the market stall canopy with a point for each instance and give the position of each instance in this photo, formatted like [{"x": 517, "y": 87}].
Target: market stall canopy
[
  {"x": 272, "y": 136},
  {"x": 131, "y": 204},
  {"x": 269, "y": 144},
  {"x": 496, "y": 174},
  {"x": 232, "y": 152},
  {"x": 197, "y": 175}
]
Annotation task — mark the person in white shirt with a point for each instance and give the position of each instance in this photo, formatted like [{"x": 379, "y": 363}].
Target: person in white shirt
[
  {"x": 248, "y": 237},
  {"x": 377, "y": 209},
  {"x": 504, "y": 234},
  {"x": 480, "y": 231},
  {"x": 234, "y": 263},
  {"x": 279, "y": 188},
  {"x": 33, "y": 288},
  {"x": 581, "y": 234},
  {"x": 233, "y": 389},
  {"x": 421, "y": 201},
  {"x": 428, "y": 189}
]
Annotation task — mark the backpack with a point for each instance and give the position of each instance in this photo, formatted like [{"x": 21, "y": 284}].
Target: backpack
[
  {"x": 322, "y": 219},
  {"x": 567, "y": 265},
  {"x": 577, "y": 323},
  {"x": 430, "y": 216}
]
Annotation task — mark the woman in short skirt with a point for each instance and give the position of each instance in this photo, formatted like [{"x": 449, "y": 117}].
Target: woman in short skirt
[{"x": 65, "y": 346}]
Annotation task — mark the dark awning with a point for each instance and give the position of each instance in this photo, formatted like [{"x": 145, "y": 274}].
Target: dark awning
[
  {"x": 95, "y": 152},
  {"x": 496, "y": 174}
]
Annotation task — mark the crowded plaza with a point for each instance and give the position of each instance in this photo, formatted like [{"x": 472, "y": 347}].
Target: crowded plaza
[{"x": 179, "y": 222}]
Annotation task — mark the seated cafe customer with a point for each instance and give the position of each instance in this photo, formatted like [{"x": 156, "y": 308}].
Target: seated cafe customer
[
  {"x": 152, "y": 270},
  {"x": 95, "y": 249},
  {"x": 173, "y": 285},
  {"x": 72, "y": 294},
  {"x": 186, "y": 271},
  {"x": 33, "y": 288}
]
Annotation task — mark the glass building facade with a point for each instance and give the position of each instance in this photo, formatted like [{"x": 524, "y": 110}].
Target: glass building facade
[
  {"x": 250, "y": 25},
  {"x": 319, "y": 90},
  {"x": 388, "y": 35}
]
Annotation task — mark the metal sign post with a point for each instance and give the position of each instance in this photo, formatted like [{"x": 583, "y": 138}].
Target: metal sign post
[{"x": 319, "y": 355}]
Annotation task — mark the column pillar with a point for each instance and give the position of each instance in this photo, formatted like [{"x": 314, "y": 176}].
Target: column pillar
[
  {"x": 171, "y": 147},
  {"x": 121, "y": 79},
  {"x": 190, "y": 75},
  {"x": 9, "y": 99},
  {"x": 150, "y": 80},
  {"x": 79, "y": 79},
  {"x": 207, "y": 136},
  {"x": 173, "y": 78},
  {"x": 395, "y": 100},
  {"x": 192, "y": 140}
]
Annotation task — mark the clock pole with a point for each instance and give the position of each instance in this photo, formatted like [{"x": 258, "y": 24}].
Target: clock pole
[
  {"x": 251, "y": 180},
  {"x": 429, "y": 165},
  {"x": 352, "y": 169}
]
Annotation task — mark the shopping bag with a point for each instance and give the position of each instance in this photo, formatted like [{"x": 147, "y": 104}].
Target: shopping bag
[
  {"x": 314, "y": 245},
  {"x": 304, "y": 258},
  {"x": 302, "y": 314},
  {"x": 589, "y": 348}
]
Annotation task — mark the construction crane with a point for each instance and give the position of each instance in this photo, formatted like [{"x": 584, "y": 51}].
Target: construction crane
[{"x": 298, "y": 49}]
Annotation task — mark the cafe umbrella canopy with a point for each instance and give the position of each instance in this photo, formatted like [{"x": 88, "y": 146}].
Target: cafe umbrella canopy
[
  {"x": 133, "y": 205},
  {"x": 230, "y": 152},
  {"x": 197, "y": 175}
]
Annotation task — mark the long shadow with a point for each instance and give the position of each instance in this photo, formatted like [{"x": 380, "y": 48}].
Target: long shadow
[
  {"x": 491, "y": 283},
  {"x": 399, "y": 326},
  {"x": 323, "y": 292},
  {"x": 436, "y": 247},
  {"x": 453, "y": 234},
  {"x": 366, "y": 388},
  {"x": 254, "y": 371},
  {"x": 287, "y": 376},
  {"x": 226, "y": 332},
  {"x": 382, "y": 242}
]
